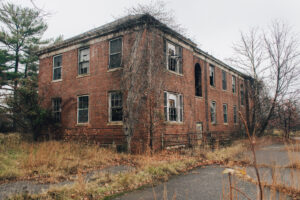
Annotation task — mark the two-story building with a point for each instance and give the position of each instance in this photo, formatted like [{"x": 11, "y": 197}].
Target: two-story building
[{"x": 137, "y": 81}]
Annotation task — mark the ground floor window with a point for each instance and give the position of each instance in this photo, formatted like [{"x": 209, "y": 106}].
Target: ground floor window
[
  {"x": 83, "y": 109},
  {"x": 173, "y": 107},
  {"x": 225, "y": 115},
  {"x": 234, "y": 114},
  {"x": 213, "y": 118},
  {"x": 115, "y": 106},
  {"x": 56, "y": 109}
]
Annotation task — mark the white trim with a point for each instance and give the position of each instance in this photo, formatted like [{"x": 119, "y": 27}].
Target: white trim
[{"x": 120, "y": 37}]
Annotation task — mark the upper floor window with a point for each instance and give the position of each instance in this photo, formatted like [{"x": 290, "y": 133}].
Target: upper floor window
[
  {"x": 233, "y": 84},
  {"x": 224, "y": 80},
  {"x": 56, "y": 109},
  {"x": 83, "y": 109},
  {"x": 213, "y": 114},
  {"x": 173, "y": 107},
  {"x": 57, "y": 66},
  {"x": 174, "y": 58},
  {"x": 115, "y": 53},
  {"x": 212, "y": 75},
  {"x": 115, "y": 106},
  {"x": 225, "y": 113},
  {"x": 198, "y": 80},
  {"x": 234, "y": 114},
  {"x": 84, "y": 61},
  {"x": 242, "y": 95}
]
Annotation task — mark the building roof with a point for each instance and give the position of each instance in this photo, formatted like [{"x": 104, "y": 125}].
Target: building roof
[{"x": 126, "y": 23}]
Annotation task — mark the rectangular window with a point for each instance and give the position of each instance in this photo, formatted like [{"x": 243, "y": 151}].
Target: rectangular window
[
  {"x": 225, "y": 113},
  {"x": 213, "y": 118},
  {"x": 115, "y": 53},
  {"x": 84, "y": 61},
  {"x": 173, "y": 107},
  {"x": 56, "y": 109},
  {"x": 115, "y": 106},
  {"x": 242, "y": 95},
  {"x": 174, "y": 58},
  {"x": 83, "y": 109},
  {"x": 233, "y": 84},
  {"x": 234, "y": 114},
  {"x": 57, "y": 66},
  {"x": 224, "y": 80},
  {"x": 212, "y": 75}
]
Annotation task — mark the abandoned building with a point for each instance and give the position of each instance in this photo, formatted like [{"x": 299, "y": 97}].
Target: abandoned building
[{"x": 136, "y": 81}]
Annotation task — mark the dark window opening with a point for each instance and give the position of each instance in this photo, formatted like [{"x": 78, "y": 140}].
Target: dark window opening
[
  {"x": 57, "y": 66},
  {"x": 84, "y": 61},
  {"x": 83, "y": 109},
  {"x": 224, "y": 80},
  {"x": 233, "y": 84},
  {"x": 56, "y": 109},
  {"x": 234, "y": 114},
  {"x": 198, "y": 80},
  {"x": 212, "y": 75},
  {"x": 174, "y": 57},
  {"x": 225, "y": 116},
  {"x": 116, "y": 106},
  {"x": 115, "y": 53},
  {"x": 172, "y": 110},
  {"x": 242, "y": 95}
]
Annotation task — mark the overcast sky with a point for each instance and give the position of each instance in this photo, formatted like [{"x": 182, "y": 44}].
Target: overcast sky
[{"x": 213, "y": 24}]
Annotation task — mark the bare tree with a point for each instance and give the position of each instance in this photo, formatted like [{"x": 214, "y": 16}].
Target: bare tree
[{"x": 271, "y": 58}]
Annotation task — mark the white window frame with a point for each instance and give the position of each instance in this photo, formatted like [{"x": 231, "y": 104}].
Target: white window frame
[
  {"x": 215, "y": 112},
  {"x": 83, "y": 109},
  {"x": 79, "y": 61},
  {"x": 225, "y": 113},
  {"x": 172, "y": 47},
  {"x": 178, "y": 105},
  {"x": 115, "y": 53},
  {"x": 109, "y": 106},
  {"x": 53, "y": 68}
]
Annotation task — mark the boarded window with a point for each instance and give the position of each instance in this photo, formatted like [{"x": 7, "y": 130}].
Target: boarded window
[
  {"x": 213, "y": 112},
  {"x": 116, "y": 106},
  {"x": 233, "y": 84},
  {"x": 225, "y": 113},
  {"x": 224, "y": 80},
  {"x": 173, "y": 107},
  {"x": 84, "y": 61},
  {"x": 115, "y": 53},
  {"x": 83, "y": 109},
  {"x": 234, "y": 114},
  {"x": 212, "y": 75},
  {"x": 198, "y": 80},
  {"x": 57, "y": 67},
  {"x": 56, "y": 109}
]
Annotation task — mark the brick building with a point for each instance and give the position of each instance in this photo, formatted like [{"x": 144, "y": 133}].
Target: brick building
[{"x": 137, "y": 81}]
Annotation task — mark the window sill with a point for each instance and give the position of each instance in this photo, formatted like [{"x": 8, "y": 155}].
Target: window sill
[
  {"x": 114, "y": 69},
  {"x": 173, "y": 123},
  {"x": 214, "y": 124},
  {"x": 176, "y": 73},
  {"x": 226, "y": 124},
  {"x": 82, "y": 124},
  {"x": 82, "y": 75},
  {"x": 212, "y": 87},
  {"x": 118, "y": 123},
  {"x": 198, "y": 97},
  {"x": 58, "y": 80}
]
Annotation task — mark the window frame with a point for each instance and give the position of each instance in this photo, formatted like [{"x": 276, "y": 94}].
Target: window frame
[
  {"x": 88, "y": 115},
  {"x": 214, "y": 75},
  {"x": 233, "y": 84},
  {"x": 242, "y": 93},
  {"x": 179, "y": 105},
  {"x": 110, "y": 108},
  {"x": 215, "y": 112},
  {"x": 235, "y": 121},
  {"x": 53, "y": 68},
  {"x": 54, "y": 111},
  {"x": 179, "y": 63},
  {"x": 225, "y": 113},
  {"x": 224, "y": 80},
  {"x": 198, "y": 81},
  {"x": 109, "y": 54},
  {"x": 80, "y": 62}
]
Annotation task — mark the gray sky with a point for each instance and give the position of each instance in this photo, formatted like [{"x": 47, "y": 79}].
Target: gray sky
[{"x": 214, "y": 24}]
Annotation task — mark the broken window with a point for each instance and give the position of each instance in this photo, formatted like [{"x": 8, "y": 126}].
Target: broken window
[
  {"x": 234, "y": 114},
  {"x": 173, "y": 107},
  {"x": 242, "y": 95},
  {"x": 174, "y": 58},
  {"x": 57, "y": 66},
  {"x": 224, "y": 80},
  {"x": 213, "y": 112},
  {"x": 115, "y": 106},
  {"x": 84, "y": 61},
  {"x": 233, "y": 84},
  {"x": 115, "y": 53},
  {"x": 212, "y": 75},
  {"x": 56, "y": 109},
  {"x": 225, "y": 116},
  {"x": 198, "y": 80},
  {"x": 83, "y": 109}
]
